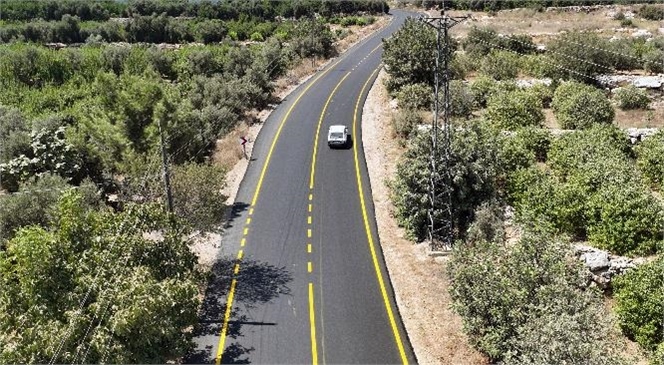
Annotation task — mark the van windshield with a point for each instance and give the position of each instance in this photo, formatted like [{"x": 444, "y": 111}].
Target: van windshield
[{"x": 336, "y": 135}]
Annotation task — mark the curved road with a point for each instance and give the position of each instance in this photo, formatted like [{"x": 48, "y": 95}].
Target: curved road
[{"x": 301, "y": 264}]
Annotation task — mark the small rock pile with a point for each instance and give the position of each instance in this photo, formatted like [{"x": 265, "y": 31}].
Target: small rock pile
[{"x": 603, "y": 266}]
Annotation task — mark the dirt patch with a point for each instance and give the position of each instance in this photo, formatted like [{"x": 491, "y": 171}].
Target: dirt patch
[{"x": 420, "y": 282}]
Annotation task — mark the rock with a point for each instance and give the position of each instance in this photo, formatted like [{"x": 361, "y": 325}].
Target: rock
[
  {"x": 596, "y": 260},
  {"x": 646, "y": 82},
  {"x": 642, "y": 33}
]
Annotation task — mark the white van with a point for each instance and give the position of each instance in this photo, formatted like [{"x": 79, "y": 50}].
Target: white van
[{"x": 337, "y": 136}]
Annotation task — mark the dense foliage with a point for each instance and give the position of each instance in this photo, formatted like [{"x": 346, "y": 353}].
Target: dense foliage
[
  {"x": 579, "y": 106},
  {"x": 650, "y": 159},
  {"x": 481, "y": 157},
  {"x": 97, "y": 270},
  {"x": 630, "y": 97},
  {"x": 523, "y": 303},
  {"x": 513, "y": 109},
  {"x": 224, "y": 9},
  {"x": 639, "y": 300},
  {"x": 591, "y": 192}
]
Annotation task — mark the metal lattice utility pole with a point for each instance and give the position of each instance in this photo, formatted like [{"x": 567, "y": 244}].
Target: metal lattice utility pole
[
  {"x": 441, "y": 235},
  {"x": 164, "y": 169}
]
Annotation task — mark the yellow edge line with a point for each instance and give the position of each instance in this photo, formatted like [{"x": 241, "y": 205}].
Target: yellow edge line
[
  {"x": 320, "y": 122},
  {"x": 231, "y": 293},
  {"x": 312, "y": 323},
  {"x": 227, "y": 317},
  {"x": 379, "y": 275}
]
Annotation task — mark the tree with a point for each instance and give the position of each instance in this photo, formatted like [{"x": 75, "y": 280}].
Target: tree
[
  {"x": 650, "y": 154},
  {"x": 501, "y": 65},
  {"x": 513, "y": 109},
  {"x": 474, "y": 166},
  {"x": 410, "y": 55},
  {"x": 132, "y": 280},
  {"x": 578, "y": 106},
  {"x": 197, "y": 195}
]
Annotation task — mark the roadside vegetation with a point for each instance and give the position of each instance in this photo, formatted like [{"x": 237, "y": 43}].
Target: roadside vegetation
[
  {"x": 90, "y": 258},
  {"x": 538, "y": 165}
]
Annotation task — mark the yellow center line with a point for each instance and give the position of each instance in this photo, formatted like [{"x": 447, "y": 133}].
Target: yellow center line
[
  {"x": 308, "y": 247},
  {"x": 312, "y": 323},
  {"x": 240, "y": 254},
  {"x": 308, "y": 232},
  {"x": 320, "y": 122},
  {"x": 246, "y": 231},
  {"x": 309, "y": 267},
  {"x": 231, "y": 292},
  {"x": 248, "y": 220},
  {"x": 374, "y": 257},
  {"x": 309, "y": 220},
  {"x": 243, "y": 242},
  {"x": 310, "y": 206}
]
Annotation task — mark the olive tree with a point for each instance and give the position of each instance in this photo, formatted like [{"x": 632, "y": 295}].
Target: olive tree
[{"x": 579, "y": 106}]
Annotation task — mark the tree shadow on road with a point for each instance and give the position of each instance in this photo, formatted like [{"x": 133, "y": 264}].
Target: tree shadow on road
[{"x": 257, "y": 283}]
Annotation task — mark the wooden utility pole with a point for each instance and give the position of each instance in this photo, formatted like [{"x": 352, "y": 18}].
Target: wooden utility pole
[{"x": 165, "y": 172}]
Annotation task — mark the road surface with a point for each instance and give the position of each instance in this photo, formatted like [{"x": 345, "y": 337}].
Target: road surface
[{"x": 301, "y": 263}]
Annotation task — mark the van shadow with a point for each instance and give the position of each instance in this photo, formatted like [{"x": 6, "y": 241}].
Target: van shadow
[{"x": 257, "y": 283}]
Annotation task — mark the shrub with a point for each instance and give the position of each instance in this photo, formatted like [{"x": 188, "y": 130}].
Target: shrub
[
  {"x": 624, "y": 55},
  {"x": 409, "y": 55},
  {"x": 256, "y": 37},
  {"x": 197, "y": 196},
  {"x": 625, "y": 219},
  {"x": 482, "y": 89},
  {"x": 14, "y": 134},
  {"x": 626, "y": 23},
  {"x": 650, "y": 159},
  {"x": 538, "y": 66},
  {"x": 652, "y": 61},
  {"x": 501, "y": 65},
  {"x": 580, "y": 55},
  {"x": 651, "y": 12},
  {"x": 640, "y": 303},
  {"x": 415, "y": 96},
  {"x": 509, "y": 298},
  {"x": 542, "y": 92},
  {"x": 631, "y": 97},
  {"x": 579, "y": 106},
  {"x": 404, "y": 123},
  {"x": 537, "y": 140},
  {"x": 514, "y": 109},
  {"x": 461, "y": 99}
]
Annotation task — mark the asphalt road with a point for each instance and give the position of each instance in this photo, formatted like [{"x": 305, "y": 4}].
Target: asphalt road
[{"x": 301, "y": 262}]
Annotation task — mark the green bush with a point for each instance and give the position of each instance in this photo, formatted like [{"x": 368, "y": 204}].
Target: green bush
[
  {"x": 514, "y": 109},
  {"x": 538, "y": 66},
  {"x": 501, "y": 65},
  {"x": 14, "y": 134},
  {"x": 631, "y": 97},
  {"x": 461, "y": 100},
  {"x": 521, "y": 303},
  {"x": 415, "y": 96},
  {"x": 651, "y": 12},
  {"x": 537, "y": 140},
  {"x": 579, "y": 106},
  {"x": 404, "y": 123},
  {"x": 625, "y": 219},
  {"x": 650, "y": 159},
  {"x": 640, "y": 303},
  {"x": 542, "y": 92},
  {"x": 625, "y": 55},
  {"x": 482, "y": 89},
  {"x": 652, "y": 62},
  {"x": 580, "y": 55}
]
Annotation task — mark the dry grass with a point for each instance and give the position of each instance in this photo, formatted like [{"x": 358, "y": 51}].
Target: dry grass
[
  {"x": 548, "y": 23},
  {"x": 228, "y": 150},
  {"x": 652, "y": 118}
]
